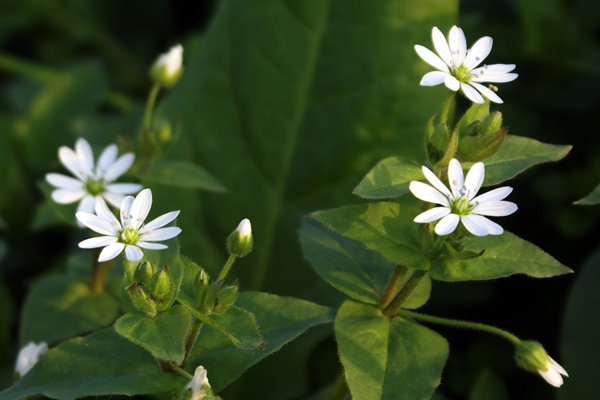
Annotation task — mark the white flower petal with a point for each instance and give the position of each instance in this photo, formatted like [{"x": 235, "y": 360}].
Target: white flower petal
[
  {"x": 433, "y": 78},
  {"x": 106, "y": 159},
  {"x": 133, "y": 253},
  {"x": 471, "y": 93},
  {"x": 432, "y": 215},
  {"x": 475, "y": 225},
  {"x": 71, "y": 161},
  {"x": 119, "y": 167},
  {"x": 557, "y": 367},
  {"x": 494, "y": 78},
  {"x": 426, "y": 193},
  {"x": 161, "y": 234},
  {"x": 29, "y": 356},
  {"x": 458, "y": 45},
  {"x": 124, "y": 188},
  {"x": 441, "y": 45},
  {"x": 140, "y": 208},
  {"x": 495, "y": 208},
  {"x": 114, "y": 199},
  {"x": 474, "y": 179},
  {"x": 63, "y": 182},
  {"x": 552, "y": 377},
  {"x": 95, "y": 242},
  {"x": 431, "y": 58},
  {"x": 447, "y": 225},
  {"x": 493, "y": 195},
  {"x": 67, "y": 196},
  {"x": 96, "y": 223},
  {"x": 244, "y": 228},
  {"x": 451, "y": 83},
  {"x": 126, "y": 210},
  {"x": 152, "y": 246},
  {"x": 480, "y": 50},
  {"x": 494, "y": 69},
  {"x": 111, "y": 251},
  {"x": 487, "y": 93},
  {"x": 455, "y": 177},
  {"x": 86, "y": 157},
  {"x": 434, "y": 180},
  {"x": 159, "y": 221},
  {"x": 103, "y": 212},
  {"x": 87, "y": 204}
]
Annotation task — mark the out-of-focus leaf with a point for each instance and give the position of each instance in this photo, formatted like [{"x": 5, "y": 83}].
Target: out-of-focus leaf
[
  {"x": 489, "y": 386},
  {"x": 176, "y": 173},
  {"x": 389, "y": 178},
  {"x": 591, "y": 199}
]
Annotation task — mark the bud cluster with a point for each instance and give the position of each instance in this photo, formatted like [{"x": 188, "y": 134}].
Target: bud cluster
[
  {"x": 213, "y": 297},
  {"x": 152, "y": 291}
]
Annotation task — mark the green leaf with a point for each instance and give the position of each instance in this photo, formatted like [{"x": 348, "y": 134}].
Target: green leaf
[
  {"x": 518, "y": 154},
  {"x": 477, "y": 112},
  {"x": 504, "y": 255},
  {"x": 102, "y": 363},
  {"x": 420, "y": 294},
  {"x": 163, "y": 335},
  {"x": 60, "y": 307},
  {"x": 591, "y": 199},
  {"x": 182, "y": 174},
  {"x": 239, "y": 326},
  {"x": 281, "y": 319},
  {"x": 387, "y": 359},
  {"x": 389, "y": 178},
  {"x": 387, "y": 228}
]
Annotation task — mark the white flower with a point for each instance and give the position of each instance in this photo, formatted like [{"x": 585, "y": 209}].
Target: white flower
[
  {"x": 244, "y": 228},
  {"x": 552, "y": 373},
  {"x": 93, "y": 182},
  {"x": 196, "y": 384},
  {"x": 461, "y": 204},
  {"x": 131, "y": 233},
  {"x": 29, "y": 356},
  {"x": 458, "y": 66},
  {"x": 167, "y": 69}
]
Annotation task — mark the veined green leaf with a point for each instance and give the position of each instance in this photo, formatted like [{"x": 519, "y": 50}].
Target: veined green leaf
[
  {"x": 389, "y": 178},
  {"x": 177, "y": 173}
]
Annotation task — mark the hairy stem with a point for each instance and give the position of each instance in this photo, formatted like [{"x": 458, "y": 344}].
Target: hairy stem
[
  {"x": 226, "y": 267},
  {"x": 182, "y": 372},
  {"x": 446, "y": 108},
  {"x": 191, "y": 339},
  {"x": 394, "y": 285},
  {"x": 406, "y": 291}
]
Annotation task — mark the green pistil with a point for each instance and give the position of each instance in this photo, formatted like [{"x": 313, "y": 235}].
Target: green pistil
[
  {"x": 95, "y": 186},
  {"x": 462, "y": 73},
  {"x": 461, "y": 206},
  {"x": 130, "y": 236}
]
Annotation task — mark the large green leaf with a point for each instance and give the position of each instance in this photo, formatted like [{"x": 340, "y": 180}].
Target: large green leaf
[
  {"x": 387, "y": 359},
  {"x": 518, "y": 154},
  {"x": 281, "y": 319},
  {"x": 591, "y": 199},
  {"x": 387, "y": 228},
  {"x": 504, "y": 255},
  {"x": 99, "y": 364},
  {"x": 289, "y": 102},
  {"x": 351, "y": 268},
  {"x": 60, "y": 307},
  {"x": 389, "y": 178},
  {"x": 177, "y": 173},
  {"x": 163, "y": 335}
]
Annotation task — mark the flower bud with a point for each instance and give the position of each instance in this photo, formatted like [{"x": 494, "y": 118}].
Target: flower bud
[
  {"x": 167, "y": 68},
  {"x": 141, "y": 300},
  {"x": 164, "y": 133},
  {"x": 532, "y": 357},
  {"x": 202, "y": 288},
  {"x": 143, "y": 273},
  {"x": 199, "y": 387},
  {"x": 226, "y": 297},
  {"x": 29, "y": 356},
  {"x": 491, "y": 124},
  {"x": 437, "y": 143},
  {"x": 161, "y": 286},
  {"x": 239, "y": 243}
]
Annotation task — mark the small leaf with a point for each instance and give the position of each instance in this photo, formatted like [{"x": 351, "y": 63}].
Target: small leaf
[
  {"x": 387, "y": 359},
  {"x": 387, "y": 228},
  {"x": 477, "y": 112},
  {"x": 102, "y": 363},
  {"x": 60, "y": 307},
  {"x": 504, "y": 255},
  {"x": 163, "y": 335},
  {"x": 182, "y": 174},
  {"x": 389, "y": 178},
  {"x": 591, "y": 199},
  {"x": 480, "y": 147}
]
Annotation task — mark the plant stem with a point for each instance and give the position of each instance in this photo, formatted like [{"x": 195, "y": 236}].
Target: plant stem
[
  {"x": 98, "y": 278},
  {"x": 340, "y": 390},
  {"x": 191, "y": 339},
  {"x": 183, "y": 373},
  {"x": 461, "y": 324},
  {"x": 446, "y": 108},
  {"x": 226, "y": 267},
  {"x": 394, "y": 285},
  {"x": 437, "y": 246},
  {"x": 150, "y": 106},
  {"x": 128, "y": 273},
  {"x": 410, "y": 286}
]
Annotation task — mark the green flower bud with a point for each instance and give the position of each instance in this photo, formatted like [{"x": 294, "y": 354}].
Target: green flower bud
[
  {"x": 491, "y": 124},
  {"x": 202, "y": 288},
  {"x": 141, "y": 300},
  {"x": 161, "y": 286},
  {"x": 163, "y": 133},
  {"x": 143, "y": 273},
  {"x": 167, "y": 68},
  {"x": 226, "y": 296},
  {"x": 239, "y": 243},
  {"x": 532, "y": 357}
]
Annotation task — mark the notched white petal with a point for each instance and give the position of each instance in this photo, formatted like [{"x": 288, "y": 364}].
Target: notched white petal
[
  {"x": 106, "y": 159},
  {"x": 427, "y": 193},
  {"x": 458, "y": 45},
  {"x": 552, "y": 377},
  {"x": 471, "y": 93},
  {"x": 494, "y": 78},
  {"x": 96, "y": 223},
  {"x": 447, "y": 225},
  {"x": 432, "y": 215},
  {"x": 111, "y": 251},
  {"x": 493, "y": 195},
  {"x": 433, "y": 78},
  {"x": 119, "y": 167},
  {"x": 441, "y": 45},
  {"x": 455, "y": 177},
  {"x": 87, "y": 204},
  {"x": 161, "y": 234},
  {"x": 86, "y": 157},
  {"x": 71, "y": 161},
  {"x": 475, "y": 224},
  {"x": 68, "y": 196},
  {"x": 490, "y": 94},
  {"x": 474, "y": 179},
  {"x": 140, "y": 208},
  {"x": 431, "y": 58},
  {"x": 124, "y": 188},
  {"x": 152, "y": 246},
  {"x": 480, "y": 50},
  {"x": 114, "y": 199},
  {"x": 159, "y": 221},
  {"x": 495, "y": 208},
  {"x": 434, "y": 180},
  {"x": 451, "y": 83},
  {"x": 494, "y": 69},
  {"x": 133, "y": 253},
  {"x": 97, "y": 242},
  {"x": 64, "y": 182},
  {"x": 103, "y": 212}
]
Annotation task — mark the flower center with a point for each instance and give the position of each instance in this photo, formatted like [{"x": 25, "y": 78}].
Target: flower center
[
  {"x": 95, "y": 186},
  {"x": 130, "y": 235},
  {"x": 462, "y": 74},
  {"x": 461, "y": 204}
]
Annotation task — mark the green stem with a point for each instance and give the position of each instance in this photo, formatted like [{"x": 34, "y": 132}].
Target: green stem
[
  {"x": 191, "y": 339},
  {"x": 406, "y": 291},
  {"x": 150, "y": 106},
  {"x": 182, "y": 372},
  {"x": 446, "y": 108},
  {"x": 437, "y": 246},
  {"x": 394, "y": 285},
  {"x": 128, "y": 273},
  {"x": 99, "y": 273},
  {"x": 341, "y": 390},
  {"x": 226, "y": 267},
  {"x": 461, "y": 324}
]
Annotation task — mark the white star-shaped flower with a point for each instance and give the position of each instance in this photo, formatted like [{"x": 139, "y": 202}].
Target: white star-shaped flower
[
  {"x": 93, "y": 181},
  {"x": 29, "y": 356},
  {"x": 458, "y": 66},
  {"x": 196, "y": 384},
  {"x": 552, "y": 373},
  {"x": 131, "y": 233},
  {"x": 460, "y": 204}
]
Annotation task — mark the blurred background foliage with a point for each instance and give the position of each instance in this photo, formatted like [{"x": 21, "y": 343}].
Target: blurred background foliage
[{"x": 298, "y": 137}]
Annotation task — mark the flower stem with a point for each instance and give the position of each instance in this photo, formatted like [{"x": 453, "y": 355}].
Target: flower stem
[
  {"x": 437, "y": 246},
  {"x": 446, "y": 108},
  {"x": 461, "y": 324},
  {"x": 340, "y": 390},
  {"x": 99, "y": 273},
  {"x": 183, "y": 373},
  {"x": 226, "y": 267},
  {"x": 150, "y": 106},
  {"x": 394, "y": 285},
  {"x": 128, "y": 273},
  {"x": 191, "y": 339},
  {"x": 410, "y": 286}
]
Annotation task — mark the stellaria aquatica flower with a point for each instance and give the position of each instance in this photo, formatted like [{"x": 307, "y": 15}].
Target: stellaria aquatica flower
[
  {"x": 458, "y": 66},
  {"x": 460, "y": 204},
  {"x": 199, "y": 384},
  {"x": 131, "y": 234},
  {"x": 93, "y": 181},
  {"x": 29, "y": 356}
]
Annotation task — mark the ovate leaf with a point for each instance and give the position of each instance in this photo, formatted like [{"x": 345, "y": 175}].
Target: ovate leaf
[
  {"x": 183, "y": 174},
  {"x": 591, "y": 199},
  {"x": 389, "y": 178}
]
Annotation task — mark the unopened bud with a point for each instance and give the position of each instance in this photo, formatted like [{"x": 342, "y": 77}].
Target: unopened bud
[
  {"x": 161, "y": 286},
  {"x": 492, "y": 123},
  {"x": 532, "y": 356},
  {"x": 143, "y": 273},
  {"x": 167, "y": 68},
  {"x": 163, "y": 133},
  {"x": 239, "y": 243},
  {"x": 202, "y": 287},
  {"x": 141, "y": 300},
  {"x": 226, "y": 297}
]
